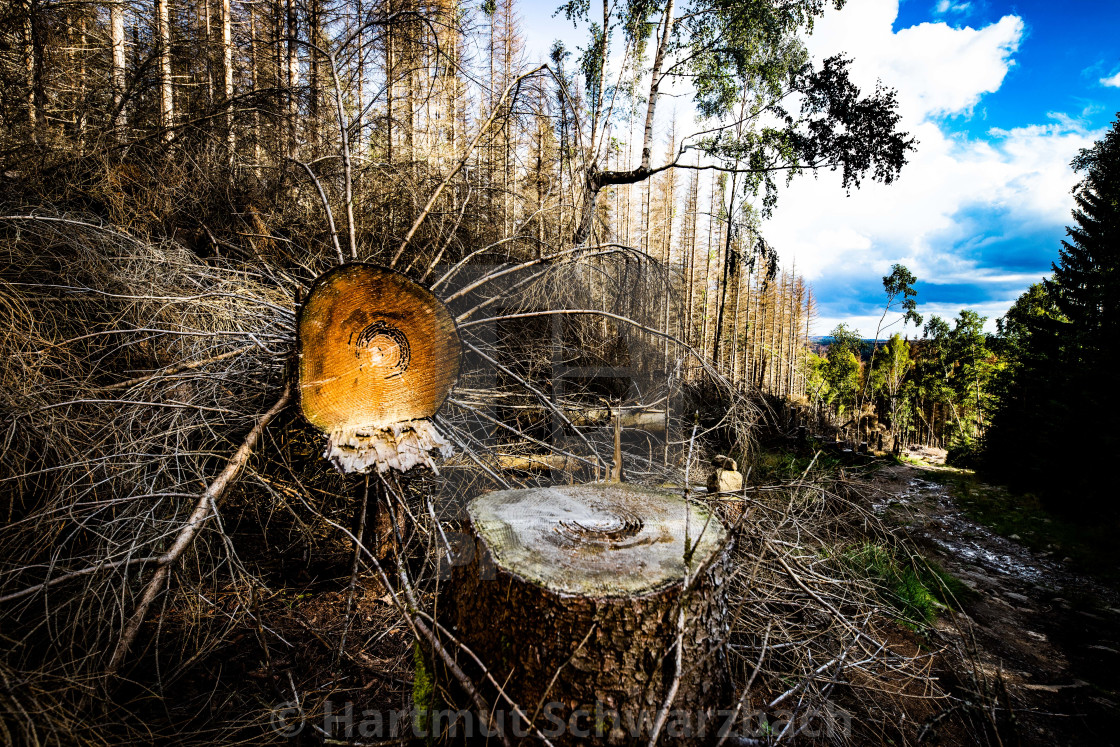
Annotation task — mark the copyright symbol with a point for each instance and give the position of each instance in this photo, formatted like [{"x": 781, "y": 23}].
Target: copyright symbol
[{"x": 287, "y": 719}]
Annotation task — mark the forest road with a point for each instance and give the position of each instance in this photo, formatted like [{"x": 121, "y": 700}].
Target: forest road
[{"x": 1050, "y": 634}]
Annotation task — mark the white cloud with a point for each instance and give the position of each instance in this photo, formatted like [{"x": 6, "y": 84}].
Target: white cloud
[
  {"x": 944, "y": 6},
  {"x": 1112, "y": 80},
  {"x": 1021, "y": 175},
  {"x": 936, "y": 68}
]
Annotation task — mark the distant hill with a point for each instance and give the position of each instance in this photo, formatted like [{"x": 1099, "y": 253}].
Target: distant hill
[
  {"x": 826, "y": 340},
  {"x": 819, "y": 344}
]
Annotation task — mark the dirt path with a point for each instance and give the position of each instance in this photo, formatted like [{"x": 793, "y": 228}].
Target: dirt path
[{"x": 1049, "y": 635}]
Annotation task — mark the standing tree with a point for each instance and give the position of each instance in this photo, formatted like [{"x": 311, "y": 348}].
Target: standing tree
[
  {"x": 889, "y": 366},
  {"x": 899, "y": 286},
  {"x": 931, "y": 373},
  {"x": 749, "y": 69},
  {"x": 841, "y": 370},
  {"x": 971, "y": 369},
  {"x": 163, "y": 47},
  {"x": 1049, "y": 429}
]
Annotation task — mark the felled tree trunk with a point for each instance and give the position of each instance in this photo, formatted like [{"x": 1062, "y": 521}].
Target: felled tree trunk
[
  {"x": 571, "y": 600},
  {"x": 378, "y": 354}
]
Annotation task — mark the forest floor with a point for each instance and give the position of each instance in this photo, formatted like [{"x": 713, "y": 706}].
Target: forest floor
[{"x": 1042, "y": 631}]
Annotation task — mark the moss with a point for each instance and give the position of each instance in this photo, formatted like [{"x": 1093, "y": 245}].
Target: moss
[{"x": 423, "y": 693}]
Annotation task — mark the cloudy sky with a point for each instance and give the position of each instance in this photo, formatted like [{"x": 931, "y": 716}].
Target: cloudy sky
[{"x": 1001, "y": 96}]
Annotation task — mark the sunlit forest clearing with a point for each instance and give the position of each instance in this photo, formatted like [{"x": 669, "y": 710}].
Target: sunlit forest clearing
[{"x": 365, "y": 380}]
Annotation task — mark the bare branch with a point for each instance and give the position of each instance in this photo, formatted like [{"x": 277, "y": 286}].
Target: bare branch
[{"x": 198, "y": 518}]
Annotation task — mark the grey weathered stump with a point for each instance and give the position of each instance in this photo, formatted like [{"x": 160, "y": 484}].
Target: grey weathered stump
[{"x": 571, "y": 599}]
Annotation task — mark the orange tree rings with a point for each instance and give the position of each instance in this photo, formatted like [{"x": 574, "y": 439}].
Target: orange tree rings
[{"x": 375, "y": 349}]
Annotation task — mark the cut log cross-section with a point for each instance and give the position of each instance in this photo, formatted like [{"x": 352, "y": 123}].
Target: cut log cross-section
[
  {"x": 571, "y": 600},
  {"x": 378, "y": 356}
]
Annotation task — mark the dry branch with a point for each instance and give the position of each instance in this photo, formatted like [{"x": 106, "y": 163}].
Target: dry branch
[
  {"x": 202, "y": 511},
  {"x": 172, "y": 370},
  {"x": 461, "y": 163}
]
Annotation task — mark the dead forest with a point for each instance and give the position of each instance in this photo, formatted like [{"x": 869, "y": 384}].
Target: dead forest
[{"x": 179, "y": 563}]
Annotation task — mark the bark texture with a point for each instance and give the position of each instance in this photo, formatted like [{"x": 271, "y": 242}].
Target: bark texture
[{"x": 570, "y": 597}]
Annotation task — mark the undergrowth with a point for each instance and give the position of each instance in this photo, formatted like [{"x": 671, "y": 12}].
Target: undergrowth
[
  {"x": 784, "y": 464},
  {"x": 915, "y": 589}
]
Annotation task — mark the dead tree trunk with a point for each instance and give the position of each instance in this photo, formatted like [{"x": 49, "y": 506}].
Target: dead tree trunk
[{"x": 572, "y": 598}]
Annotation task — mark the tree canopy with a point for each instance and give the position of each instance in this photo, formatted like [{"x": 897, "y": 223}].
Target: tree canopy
[{"x": 773, "y": 111}]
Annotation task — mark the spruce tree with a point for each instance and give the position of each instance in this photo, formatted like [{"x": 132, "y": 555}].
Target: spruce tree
[
  {"x": 1086, "y": 279},
  {"x": 1052, "y": 429}
]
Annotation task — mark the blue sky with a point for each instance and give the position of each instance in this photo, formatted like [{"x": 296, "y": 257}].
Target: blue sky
[{"x": 1001, "y": 96}]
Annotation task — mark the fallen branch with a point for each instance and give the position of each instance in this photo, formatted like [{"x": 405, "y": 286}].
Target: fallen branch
[
  {"x": 108, "y": 565},
  {"x": 178, "y": 369},
  {"x": 202, "y": 513}
]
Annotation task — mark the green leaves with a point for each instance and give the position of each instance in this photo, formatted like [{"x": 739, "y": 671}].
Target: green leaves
[
  {"x": 841, "y": 370},
  {"x": 573, "y": 10},
  {"x": 837, "y": 127},
  {"x": 845, "y": 131},
  {"x": 591, "y": 61},
  {"x": 743, "y": 49},
  {"x": 636, "y": 19},
  {"x": 901, "y": 282},
  {"x": 748, "y": 68},
  {"x": 1026, "y": 317},
  {"x": 890, "y": 364}
]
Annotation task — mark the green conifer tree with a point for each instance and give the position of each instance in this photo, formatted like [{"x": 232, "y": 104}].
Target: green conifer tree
[{"x": 1053, "y": 429}]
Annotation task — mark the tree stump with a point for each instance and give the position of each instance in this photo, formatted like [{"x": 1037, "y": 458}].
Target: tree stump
[
  {"x": 725, "y": 478},
  {"x": 571, "y": 598}
]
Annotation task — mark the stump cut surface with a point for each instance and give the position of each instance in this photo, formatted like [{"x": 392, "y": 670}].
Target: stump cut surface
[
  {"x": 376, "y": 349},
  {"x": 601, "y": 540}
]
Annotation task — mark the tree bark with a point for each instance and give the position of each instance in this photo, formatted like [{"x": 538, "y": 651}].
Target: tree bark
[
  {"x": 29, "y": 60},
  {"x": 166, "y": 100},
  {"x": 227, "y": 78},
  {"x": 727, "y": 239},
  {"x": 116, "y": 36},
  {"x": 292, "y": 76},
  {"x": 572, "y": 596},
  {"x": 596, "y": 179}
]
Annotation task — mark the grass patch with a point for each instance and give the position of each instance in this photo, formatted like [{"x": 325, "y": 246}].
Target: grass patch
[
  {"x": 907, "y": 460},
  {"x": 914, "y": 588},
  {"x": 783, "y": 465}
]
